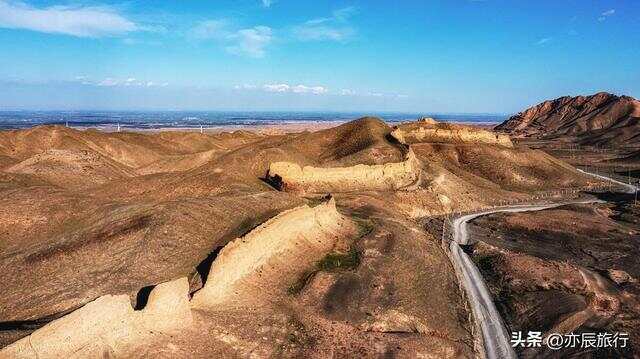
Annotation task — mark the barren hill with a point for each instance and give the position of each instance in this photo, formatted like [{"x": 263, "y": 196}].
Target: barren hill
[
  {"x": 632, "y": 158},
  {"x": 77, "y": 169},
  {"x": 86, "y": 215},
  {"x": 602, "y": 119},
  {"x": 130, "y": 149}
]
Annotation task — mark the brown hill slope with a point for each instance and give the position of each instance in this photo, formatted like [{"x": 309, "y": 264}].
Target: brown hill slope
[
  {"x": 602, "y": 119},
  {"x": 62, "y": 247},
  {"x": 74, "y": 169},
  {"x": 633, "y": 158},
  {"x": 362, "y": 141},
  {"x": 130, "y": 149}
]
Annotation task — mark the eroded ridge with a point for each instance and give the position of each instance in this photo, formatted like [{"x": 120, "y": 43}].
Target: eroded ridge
[
  {"x": 252, "y": 270},
  {"x": 107, "y": 326},
  {"x": 291, "y": 177},
  {"x": 428, "y": 130},
  {"x": 260, "y": 266}
]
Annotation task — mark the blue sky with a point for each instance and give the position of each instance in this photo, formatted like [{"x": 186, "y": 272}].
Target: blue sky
[{"x": 415, "y": 56}]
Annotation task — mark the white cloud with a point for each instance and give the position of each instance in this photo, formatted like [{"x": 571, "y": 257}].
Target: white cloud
[
  {"x": 108, "y": 82},
  {"x": 277, "y": 88},
  {"x": 320, "y": 33},
  {"x": 606, "y": 14},
  {"x": 345, "y": 13},
  {"x": 334, "y": 28},
  {"x": 317, "y": 90},
  {"x": 83, "y": 80},
  {"x": 210, "y": 29},
  {"x": 251, "y": 42},
  {"x": 390, "y": 95},
  {"x": 267, "y": 3},
  {"x": 245, "y": 87},
  {"x": 81, "y": 21},
  {"x": 282, "y": 88},
  {"x": 543, "y": 41},
  {"x": 113, "y": 82}
]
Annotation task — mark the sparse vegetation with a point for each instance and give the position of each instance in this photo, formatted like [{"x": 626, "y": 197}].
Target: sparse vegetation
[
  {"x": 485, "y": 263},
  {"x": 314, "y": 200},
  {"x": 335, "y": 261},
  {"x": 297, "y": 286},
  {"x": 340, "y": 261},
  {"x": 332, "y": 262},
  {"x": 365, "y": 226}
]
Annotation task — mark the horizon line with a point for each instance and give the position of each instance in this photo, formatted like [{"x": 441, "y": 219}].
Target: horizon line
[{"x": 425, "y": 113}]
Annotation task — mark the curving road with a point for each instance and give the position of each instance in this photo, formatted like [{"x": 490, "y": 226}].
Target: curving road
[
  {"x": 495, "y": 337},
  {"x": 628, "y": 188}
]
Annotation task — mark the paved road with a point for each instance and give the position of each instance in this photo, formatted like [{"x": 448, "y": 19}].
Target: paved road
[
  {"x": 628, "y": 188},
  {"x": 495, "y": 337}
]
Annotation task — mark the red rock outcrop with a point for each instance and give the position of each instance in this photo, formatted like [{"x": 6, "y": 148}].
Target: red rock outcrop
[{"x": 601, "y": 119}]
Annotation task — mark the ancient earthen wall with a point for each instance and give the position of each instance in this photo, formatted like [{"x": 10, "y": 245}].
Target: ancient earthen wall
[
  {"x": 106, "y": 326},
  {"x": 387, "y": 177},
  {"x": 268, "y": 260},
  {"x": 446, "y": 135}
]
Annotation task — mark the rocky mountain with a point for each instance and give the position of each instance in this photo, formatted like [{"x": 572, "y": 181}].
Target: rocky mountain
[{"x": 602, "y": 119}]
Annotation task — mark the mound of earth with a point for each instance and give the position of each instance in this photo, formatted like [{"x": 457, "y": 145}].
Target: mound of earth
[
  {"x": 363, "y": 141},
  {"x": 429, "y": 131},
  {"x": 72, "y": 169},
  {"x": 602, "y": 119},
  {"x": 86, "y": 214},
  {"x": 501, "y": 168},
  {"x": 179, "y": 163},
  {"x": 133, "y": 150}
]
